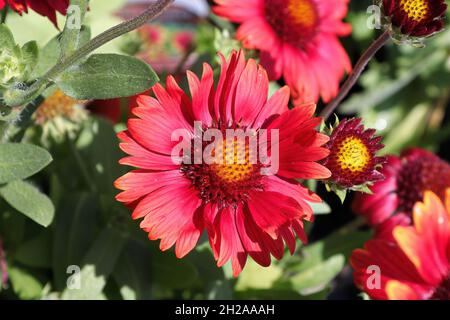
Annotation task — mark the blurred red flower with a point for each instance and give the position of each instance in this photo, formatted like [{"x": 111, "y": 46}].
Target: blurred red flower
[
  {"x": 298, "y": 40},
  {"x": 114, "y": 110},
  {"x": 183, "y": 40},
  {"x": 243, "y": 211},
  {"x": 406, "y": 179},
  {"x": 415, "y": 263},
  {"x": 46, "y": 8}
]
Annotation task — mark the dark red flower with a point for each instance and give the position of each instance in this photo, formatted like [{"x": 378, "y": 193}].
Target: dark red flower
[
  {"x": 416, "y": 18},
  {"x": 352, "y": 160},
  {"x": 406, "y": 179},
  {"x": 114, "y": 109},
  {"x": 46, "y": 8},
  {"x": 413, "y": 264}
]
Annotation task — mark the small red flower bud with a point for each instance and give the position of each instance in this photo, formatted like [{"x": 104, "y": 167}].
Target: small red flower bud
[
  {"x": 352, "y": 160},
  {"x": 416, "y": 18}
]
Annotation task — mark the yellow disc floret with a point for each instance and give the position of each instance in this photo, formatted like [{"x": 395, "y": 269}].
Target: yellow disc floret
[
  {"x": 235, "y": 165},
  {"x": 353, "y": 155},
  {"x": 416, "y": 10},
  {"x": 303, "y": 12},
  {"x": 58, "y": 104}
]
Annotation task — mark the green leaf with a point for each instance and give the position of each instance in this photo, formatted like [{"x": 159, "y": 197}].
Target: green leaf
[
  {"x": 316, "y": 278},
  {"x": 28, "y": 200},
  {"x": 98, "y": 266},
  {"x": 255, "y": 276},
  {"x": 341, "y": 193},
  {"x": 35, "y": 252},
  {"x": 6, "y": 38},
  {"x": 320, "y": 208},
  {"x": 74, "y": 231},
  {"x": 374, "y": 96},
  {"x": 12, "y": 226},
  {"x": 107, "y": 76},
  {"x": 24, "y": 284},
  {"x": 50, "y": 53},
  {"x": 343, "y": 242},
  {"x": 30, "y": 56},
  {"x": 172, "y": 273},
  {"x": 410, "y": 127},
  {"x": 20, "y": 161},
  {"x": 98, "y": 147},
  {"x": 30, "y": 52},
  {"x": 321, "y": 261},
  {"x": 133, "y": 272}
]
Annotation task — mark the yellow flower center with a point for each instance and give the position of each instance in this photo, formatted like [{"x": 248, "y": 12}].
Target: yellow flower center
[
  {"x": 235, "y": 165},
  {"x": 303, "y": 12},
  {"x": 416, "y": 10},
  {"x": 353, "y": 155},
  {"x": 58, "y": 104}
]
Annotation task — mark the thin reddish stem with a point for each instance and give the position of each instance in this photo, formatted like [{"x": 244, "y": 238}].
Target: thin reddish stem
[
  {"x": 356, "y": 73},
  {"x": 3, "y": 267}
]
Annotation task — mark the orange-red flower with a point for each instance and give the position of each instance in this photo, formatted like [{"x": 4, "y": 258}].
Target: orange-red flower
[
  {"x": 415, "y": 263},
  {"x": 353, "y": 160},
  {"x": 298, "y": 40},
  {"x": 406, "y": 179},
  {"x": 46, "y": 8},
  {"x": 417, "y": 18},
  {"x": 244, "y": 211}
]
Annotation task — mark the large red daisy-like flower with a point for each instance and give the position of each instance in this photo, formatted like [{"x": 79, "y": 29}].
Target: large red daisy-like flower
[
  {"x": 244, "y": 211},
  {"x": 46, "y": 8},
  {"x": 406, "y": 179},
  {"x": 416, "y": 265},
  {"x": 298, "y": 40}
]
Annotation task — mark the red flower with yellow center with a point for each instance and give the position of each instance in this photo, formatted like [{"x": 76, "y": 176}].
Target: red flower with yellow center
[
  {"x": 352, "y": 160},
  {"x": 46, "y": 8},
  {"x": 298, "y": 40},
  {"x": 416, "y": 18},
  {"x": 415, "y": 263},
  {"x": 406, "y": 179},
  {"x": 244, "y": 211}
]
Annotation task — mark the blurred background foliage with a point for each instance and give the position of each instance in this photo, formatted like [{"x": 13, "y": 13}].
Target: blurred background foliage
[{"x": 404, "y": 94}]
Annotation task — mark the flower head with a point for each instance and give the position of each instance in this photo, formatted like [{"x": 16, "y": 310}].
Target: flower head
[
  {"x": 298, "y": 40},
  {"x": 45, "y": 8},
  {"x": 353, "y": 161},
  {"x": 406, "y": 179},
  {"x": 183, "y": 40},
  {"x": 415, "y": 263},
  {"x": 59, "y": 115},
  {"x": 248, "y": 206},
  {"x": 416, "y": 18}
]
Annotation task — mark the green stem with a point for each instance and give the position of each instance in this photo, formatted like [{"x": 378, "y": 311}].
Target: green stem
[
  {"x": 4, "y": 15},
  {"x": 184, "y": 59},
  {"x": 14, "y": 99},
  {"x": 84, "y": 171},
  {"x": 70, "y": 38},
  {"x": 4, "y": 126},
  {"x": 153, "y": 11}
]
